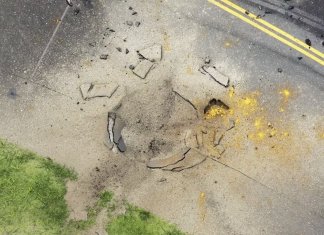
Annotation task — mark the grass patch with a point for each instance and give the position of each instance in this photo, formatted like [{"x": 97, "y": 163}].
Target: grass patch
[
  {"x": 32, "y": 192},
  {"x": 105, "y": 199},
  {"x": 140, "y": 222}
]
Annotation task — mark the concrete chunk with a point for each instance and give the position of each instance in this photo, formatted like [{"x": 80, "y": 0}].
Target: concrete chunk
[
  {"x": 219, "y": 77},
  {"x": 92, "y": 90},
  {"x": 143, "y": 68},
  {"x": 152, "y": 53}
]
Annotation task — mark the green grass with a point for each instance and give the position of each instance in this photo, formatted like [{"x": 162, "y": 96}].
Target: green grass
[
  {"x": 32, "y": 192},
  {"x": 105, "y": 201},
  {"x": 140, "y": 222}
]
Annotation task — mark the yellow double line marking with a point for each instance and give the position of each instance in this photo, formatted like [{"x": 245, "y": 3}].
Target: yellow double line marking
[{"x": 270, "y": 29}]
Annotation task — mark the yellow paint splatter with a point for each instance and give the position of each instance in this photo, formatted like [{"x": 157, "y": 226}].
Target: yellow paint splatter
[
  {"x": 285, "y": 93},
  {"x": 166, "y": 44},
  {"x": 202, "y": 206},
  {"x": 189, "y": 70},
  {"x": 231, "y": 92},
  {"x": 214, "y": 112}
]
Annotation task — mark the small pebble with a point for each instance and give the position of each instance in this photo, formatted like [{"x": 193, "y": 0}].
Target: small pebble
[
  {"x": 137, "y": 23},
  {"x": 131, "y": 67},
  {"x": 279, "y": 70},
  {"x": 129, "y": 23},
  {"x": 119, "y": 49},
  {"x": 104, "y": 56},
  {"x": 308, "y": 42}
]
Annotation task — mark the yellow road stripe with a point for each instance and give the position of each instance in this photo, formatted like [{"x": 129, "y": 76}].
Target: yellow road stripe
[
  {"x": 274, "y": 28},
  {"x": 270, "y": 33}
]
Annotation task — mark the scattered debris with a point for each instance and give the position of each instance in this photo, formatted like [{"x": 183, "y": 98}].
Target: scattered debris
[
  {"x": 114, "y": 128},
  {"x": 191, "y": 159},
  {"x": 129, "y": 23},
  {"x": 137, "y": 23},
  {"x": 158, "y": 162},
  {"x": 308, "y": 42},
  {"x": 92, "y": 44},
  {"x": 207, "y": 60},
  {"x": 91, "y": 90},
  {"x": 290, "y": 8},
  {"x": 143, "y": 68},
  {"x": 152, "y": 53},
  {"x": 104, "y": 56},
  {"x": 219, "y": 77}
]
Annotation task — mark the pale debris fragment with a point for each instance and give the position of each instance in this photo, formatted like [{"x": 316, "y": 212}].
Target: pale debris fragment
[
  {"x": 143, "y": 68},
  {"x": 192, "y": 158},
  {"x": 191, "y": 139},
  {"x": 158, "y": 162},
  {"x": 91, "y": 90},
  {"x": 216, "y": 75},
  {"x": 152, "y": 53},
  {"x": 114, "y": 128}
]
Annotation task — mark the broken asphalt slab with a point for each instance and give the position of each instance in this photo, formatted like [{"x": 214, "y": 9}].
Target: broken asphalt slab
[
  {"x": 158, "y": 162},
  {"x": 114, "y": 128},
  {"x": 152, "y": 53},
  {"x": 219, "y": 77},
  {"x": 143, "y": 68},
  {"x": 92, "y": 90},
  {"x": 192, "y": 158}
]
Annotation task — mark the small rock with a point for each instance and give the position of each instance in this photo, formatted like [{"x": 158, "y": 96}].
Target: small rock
[
  {"x": 220, "y": 78},
  {"x": 207, "y": 60},
  {"x": 129, "y": 23},
  {"x": 308, "y": 42},
  {"x": 131, "y": 67},
  {"x": 158, "y": 162},
  {"x": 299, "y": 58},
  {"x": 137, "y": 23},
  {"x": 119, "y": 49},
  {"x": 104, "y": 56},
  {"x": 126, "y": 51},
  {"x": 143, "y": 68},
  {"x": 279, "y": 70},
  {"x": 91, "y": 90},
  {"x": 130, "y": 8},
  {"x": 134, "y": 13},
  {"x": 76, "y": 11},
  {"x": 152, "y": 53},
  {"x": 290, "y": 8}
]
